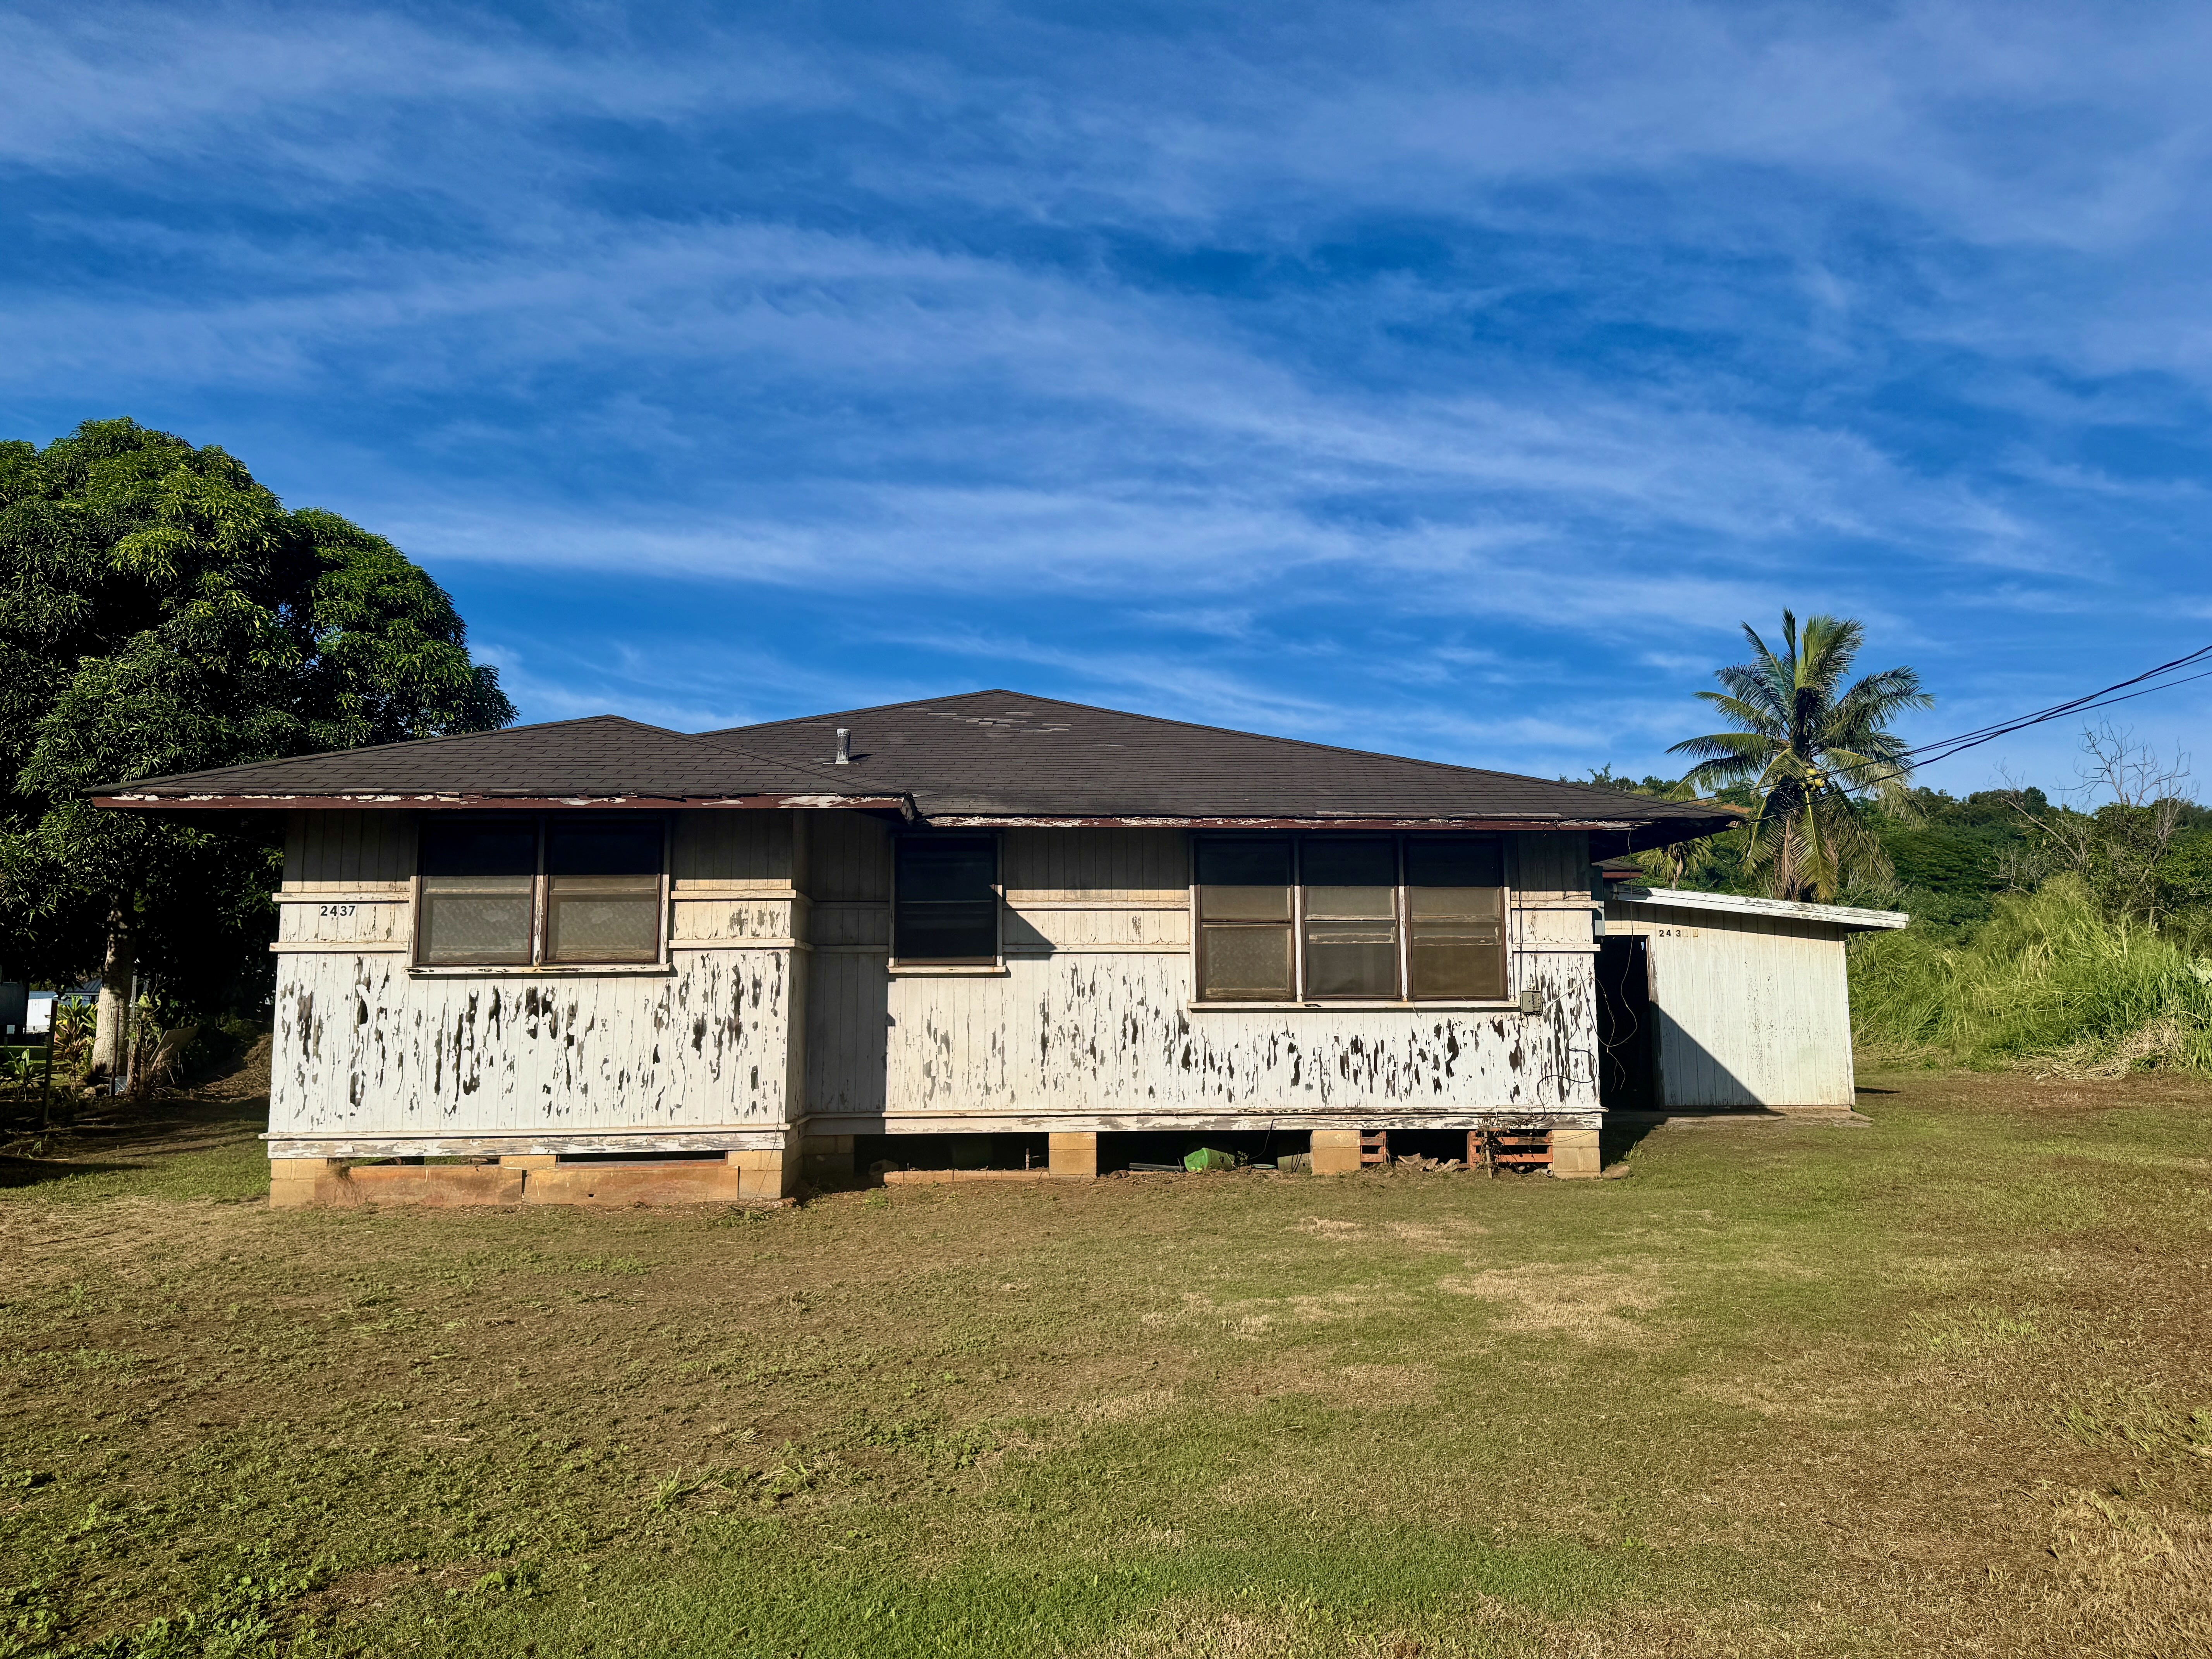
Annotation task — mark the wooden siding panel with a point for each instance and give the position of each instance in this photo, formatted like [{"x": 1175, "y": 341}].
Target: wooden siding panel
[
  {"x": 725, "y": 849},
  {"x": 1096, "y": 864},
  {"x": 348, "y": 852},
  {"x": 364, "y": 1048},
  {"x": 1111, "y": 1035},
  {"x": 1749, "y": 1010},
  {"x": 849, "y": 857}
]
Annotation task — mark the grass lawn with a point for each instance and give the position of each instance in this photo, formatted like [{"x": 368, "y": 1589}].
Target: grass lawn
[{"x": 1940, "y": 1386}]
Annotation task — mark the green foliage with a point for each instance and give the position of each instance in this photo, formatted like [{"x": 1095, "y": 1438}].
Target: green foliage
[
  {"x": 162, "y": 612},
  {"x": 1952, "y": 857},
  {"x": 2051, "y": 978},
  {"x": 1808, "y": 746}
]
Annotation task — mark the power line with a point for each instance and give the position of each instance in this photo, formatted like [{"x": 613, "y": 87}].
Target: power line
[
  {"x": 2080, "y": 705},
  {"x": 1944, "y": 749}
]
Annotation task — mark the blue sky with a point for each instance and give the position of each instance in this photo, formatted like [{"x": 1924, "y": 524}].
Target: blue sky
[{"x": 1443, "y": 379}]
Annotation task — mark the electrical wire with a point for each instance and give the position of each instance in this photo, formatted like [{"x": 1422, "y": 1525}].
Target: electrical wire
[{"x": 1942, "y": 748}]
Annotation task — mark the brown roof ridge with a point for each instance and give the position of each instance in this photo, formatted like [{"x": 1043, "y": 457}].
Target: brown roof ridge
[{"x": 1675, "y": 807}]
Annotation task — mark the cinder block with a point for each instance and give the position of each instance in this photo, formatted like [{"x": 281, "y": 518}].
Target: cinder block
[
  {"x": 1336, "y": 1152},
  {"x": 767, "y": 1173},
  {"x": 1075, "y": 1155},
  {"x": 294, "y": 1182},
  {"x": 692, "y": 1182},
  {"x": 1575, "y": 1155}
]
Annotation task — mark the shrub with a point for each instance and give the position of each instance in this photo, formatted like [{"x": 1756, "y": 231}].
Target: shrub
[{"x": 2048, "y": 981}]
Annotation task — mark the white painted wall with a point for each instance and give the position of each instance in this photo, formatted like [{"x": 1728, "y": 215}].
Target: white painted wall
[
  {"x": 1090, "y": 1025},
  {"x": 779, "y": 1005},
  {"x": 366, "y": 1046}
]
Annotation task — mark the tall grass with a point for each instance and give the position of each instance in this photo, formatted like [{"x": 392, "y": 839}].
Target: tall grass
[{"x": 2047, "y": 981}]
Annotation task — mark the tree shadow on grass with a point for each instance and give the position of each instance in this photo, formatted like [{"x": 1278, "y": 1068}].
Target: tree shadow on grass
[{"x": 115, "y": 1137}]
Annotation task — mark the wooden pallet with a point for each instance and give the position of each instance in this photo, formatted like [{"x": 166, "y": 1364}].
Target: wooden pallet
[
  {"x": 1523, "y": 1152},
  {"x": 1374, "y": 1147}
]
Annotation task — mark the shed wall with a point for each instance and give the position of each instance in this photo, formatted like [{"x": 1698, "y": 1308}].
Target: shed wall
[{"x": 1748, "y": 1010}]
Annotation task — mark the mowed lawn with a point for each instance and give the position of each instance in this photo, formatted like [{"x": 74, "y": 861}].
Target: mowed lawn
[{"x": 1942, "y": 1385}]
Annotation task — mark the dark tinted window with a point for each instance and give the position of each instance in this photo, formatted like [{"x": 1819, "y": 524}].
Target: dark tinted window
[{"x": 948, "y": 899}]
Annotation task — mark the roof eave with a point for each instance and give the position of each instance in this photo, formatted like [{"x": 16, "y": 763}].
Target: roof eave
[
  {"x": 1542, "y": 822},
  {"x": 441, "y": 801}
]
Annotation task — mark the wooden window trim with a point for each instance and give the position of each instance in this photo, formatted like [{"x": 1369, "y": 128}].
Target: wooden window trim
[{"x": 541, "y": 823}]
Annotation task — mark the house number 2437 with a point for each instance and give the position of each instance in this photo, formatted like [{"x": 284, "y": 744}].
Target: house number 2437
[{"x": 334, "y": 909}]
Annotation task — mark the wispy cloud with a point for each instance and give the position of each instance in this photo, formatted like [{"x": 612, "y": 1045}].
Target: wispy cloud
[{"x": 1453, "y": 378}]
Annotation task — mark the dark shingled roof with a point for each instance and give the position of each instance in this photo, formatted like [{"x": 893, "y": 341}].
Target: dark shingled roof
[
  {"x": 601, "y": 756},
  {"x": 983, "y": 757},
  {"x": 1002, "y": 754}
]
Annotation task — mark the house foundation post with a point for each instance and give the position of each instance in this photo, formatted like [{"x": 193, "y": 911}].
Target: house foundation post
[
  {"x": 1575, "y": 1155},
  {"x": 770, "y": 1172},
  {"x": 1336, "y": 1152},
  {"x": 1074, "y": 1155},
  {"x": 293, "y": 1182}
]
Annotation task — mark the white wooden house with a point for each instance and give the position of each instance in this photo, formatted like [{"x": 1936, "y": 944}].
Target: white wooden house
[{"x": 598, "y": 959}]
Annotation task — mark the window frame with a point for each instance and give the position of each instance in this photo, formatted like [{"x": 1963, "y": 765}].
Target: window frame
[
  {"x": 1402, "y": 906},
  {"x": 996, "y": 962},
  {"x": 542, "y": 823}
]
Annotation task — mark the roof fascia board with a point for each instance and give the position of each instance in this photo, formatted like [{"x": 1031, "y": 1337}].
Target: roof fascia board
[
  {"x": 1349, "y": 821},
  {"x": 433, "y": 803},
  {"x": 1835, "y": 916}
]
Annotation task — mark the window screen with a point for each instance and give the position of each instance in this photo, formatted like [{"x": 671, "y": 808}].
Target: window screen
[
  {"x": 1244, "y": 920},
  {"x": 1456, "y": 904},
  {"x": 1379, "y": 918},
  {"x": 478, "y": 890},
  {"x": 948, "y": 899},
  {"x": 1351, "y": 917},
  {"x": 602, "y": 891}
]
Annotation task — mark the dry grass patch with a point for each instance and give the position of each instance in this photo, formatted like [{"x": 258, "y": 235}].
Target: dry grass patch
[{"x": 1589, "y": 1302}]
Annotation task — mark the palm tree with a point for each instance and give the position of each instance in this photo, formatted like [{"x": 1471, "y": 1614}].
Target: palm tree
[{"x": 1809, "y": 750}]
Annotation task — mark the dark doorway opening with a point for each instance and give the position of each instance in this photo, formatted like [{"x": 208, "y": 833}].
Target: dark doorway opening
[{"x": 1624, "y": 1024}]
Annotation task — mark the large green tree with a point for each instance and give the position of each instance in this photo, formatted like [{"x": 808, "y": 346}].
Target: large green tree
[
  {"x": 160, "y": 612},
  {"x": 1808, "y": 747}
]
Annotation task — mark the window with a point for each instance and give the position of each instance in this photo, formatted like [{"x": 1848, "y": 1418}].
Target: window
[
  {"x": 1371, "y": 918},
  {"x": 947, "y": 907},
  {"x": 529, "y": 891}
]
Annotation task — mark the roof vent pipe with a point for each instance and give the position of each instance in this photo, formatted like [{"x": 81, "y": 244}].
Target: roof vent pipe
[{"x": 844, "y": 746}]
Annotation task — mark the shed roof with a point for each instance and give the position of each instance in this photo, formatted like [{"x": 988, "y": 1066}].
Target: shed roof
[
  {"x": 1847, "y": 917},
  {"x": 984, "y": 757}
]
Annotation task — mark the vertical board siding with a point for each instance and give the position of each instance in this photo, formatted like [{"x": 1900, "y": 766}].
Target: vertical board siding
[
  {"x": 733, "y": 849},
  {"x": 345, "y": 851},
  {"x": 362, "y": 1047},
  {"x": 1748, "y": 1010},
  {"x": 1113, "y": 1035},
  {"x": 1093, "y": 1015}
]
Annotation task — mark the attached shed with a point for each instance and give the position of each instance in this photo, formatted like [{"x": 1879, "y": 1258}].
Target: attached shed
[{"x": 1712, "y": 999}]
